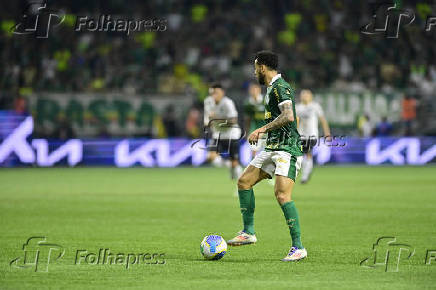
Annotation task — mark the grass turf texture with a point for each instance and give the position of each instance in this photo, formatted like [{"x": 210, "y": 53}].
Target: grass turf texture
[{"x": 343, "y": 211}]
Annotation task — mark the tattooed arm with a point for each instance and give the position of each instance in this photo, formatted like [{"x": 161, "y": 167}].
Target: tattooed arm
[{"x": 286, "y": 116}]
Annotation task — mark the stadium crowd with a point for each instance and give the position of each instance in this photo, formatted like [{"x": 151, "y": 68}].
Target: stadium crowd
[{"x": 319, "y": 43}]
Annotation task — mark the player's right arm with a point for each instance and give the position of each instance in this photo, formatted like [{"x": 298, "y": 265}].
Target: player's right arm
[
  {"x": 324, "y": 123},
  {"x": 207, "y": 111}
]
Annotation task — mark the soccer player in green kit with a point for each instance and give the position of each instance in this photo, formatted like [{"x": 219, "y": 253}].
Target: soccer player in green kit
[{"x": 281, "y": 157}]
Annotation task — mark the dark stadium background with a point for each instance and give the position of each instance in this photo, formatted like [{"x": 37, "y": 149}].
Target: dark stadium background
[{"x": 97, "y": 100}]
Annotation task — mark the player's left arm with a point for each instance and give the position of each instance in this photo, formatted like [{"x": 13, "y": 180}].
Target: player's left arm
[
  {"x": 232, "y": 113},
  {"x": 286, "y": 116},
  {"x": 325, "y": 126}
]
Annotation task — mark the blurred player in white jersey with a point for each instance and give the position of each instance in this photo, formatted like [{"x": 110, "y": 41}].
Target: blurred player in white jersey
[
  {"x": 221, "y": 117},
  {"x": 212, "y": 157},
  {"x": 309, "y": 113}
]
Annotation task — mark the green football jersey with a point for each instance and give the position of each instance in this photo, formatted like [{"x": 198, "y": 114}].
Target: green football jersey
[{"x": 287, "y": 137}]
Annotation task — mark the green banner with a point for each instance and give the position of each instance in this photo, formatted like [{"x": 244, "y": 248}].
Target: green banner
[
  {"x": 343, "y": 109},
  {"x": 90, "y": 114},
  {"x": 120, "y": 115}
]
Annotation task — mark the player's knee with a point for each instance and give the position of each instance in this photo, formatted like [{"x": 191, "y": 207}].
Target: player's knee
[
  {"x": 282, "y": 196},
  {"x": 244, "y": 182}
]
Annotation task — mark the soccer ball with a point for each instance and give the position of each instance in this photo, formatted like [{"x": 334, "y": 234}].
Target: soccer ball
[{"x": 213, "y": 247}]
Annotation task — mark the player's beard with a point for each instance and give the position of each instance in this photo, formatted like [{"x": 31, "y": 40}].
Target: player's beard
[{"x": 261, "y": 79}]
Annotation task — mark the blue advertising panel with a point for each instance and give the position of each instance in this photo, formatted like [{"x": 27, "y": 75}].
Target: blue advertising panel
[{"x": 18, "y": 148}]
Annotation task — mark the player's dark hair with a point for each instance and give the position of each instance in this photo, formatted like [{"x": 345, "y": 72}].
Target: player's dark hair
[
  {"x": 268, "y": 58},
  {"x": 216, "y": 86}
]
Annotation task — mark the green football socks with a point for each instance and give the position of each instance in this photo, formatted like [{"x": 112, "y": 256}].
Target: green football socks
[
  {"x": 292, "y": 219},
  {"x": 247, "y": 202}
]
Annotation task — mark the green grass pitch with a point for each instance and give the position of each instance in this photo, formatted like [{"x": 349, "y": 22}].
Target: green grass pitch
[{"x": 343, "y": 211}]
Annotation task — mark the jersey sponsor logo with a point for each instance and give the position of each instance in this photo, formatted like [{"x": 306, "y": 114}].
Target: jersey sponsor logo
[
  {"x": 267, "y": 115},
  {"x": 282, "y": 160},
  {"x": 273, "y": 146},
  {"x": 276, "y": 93}
]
